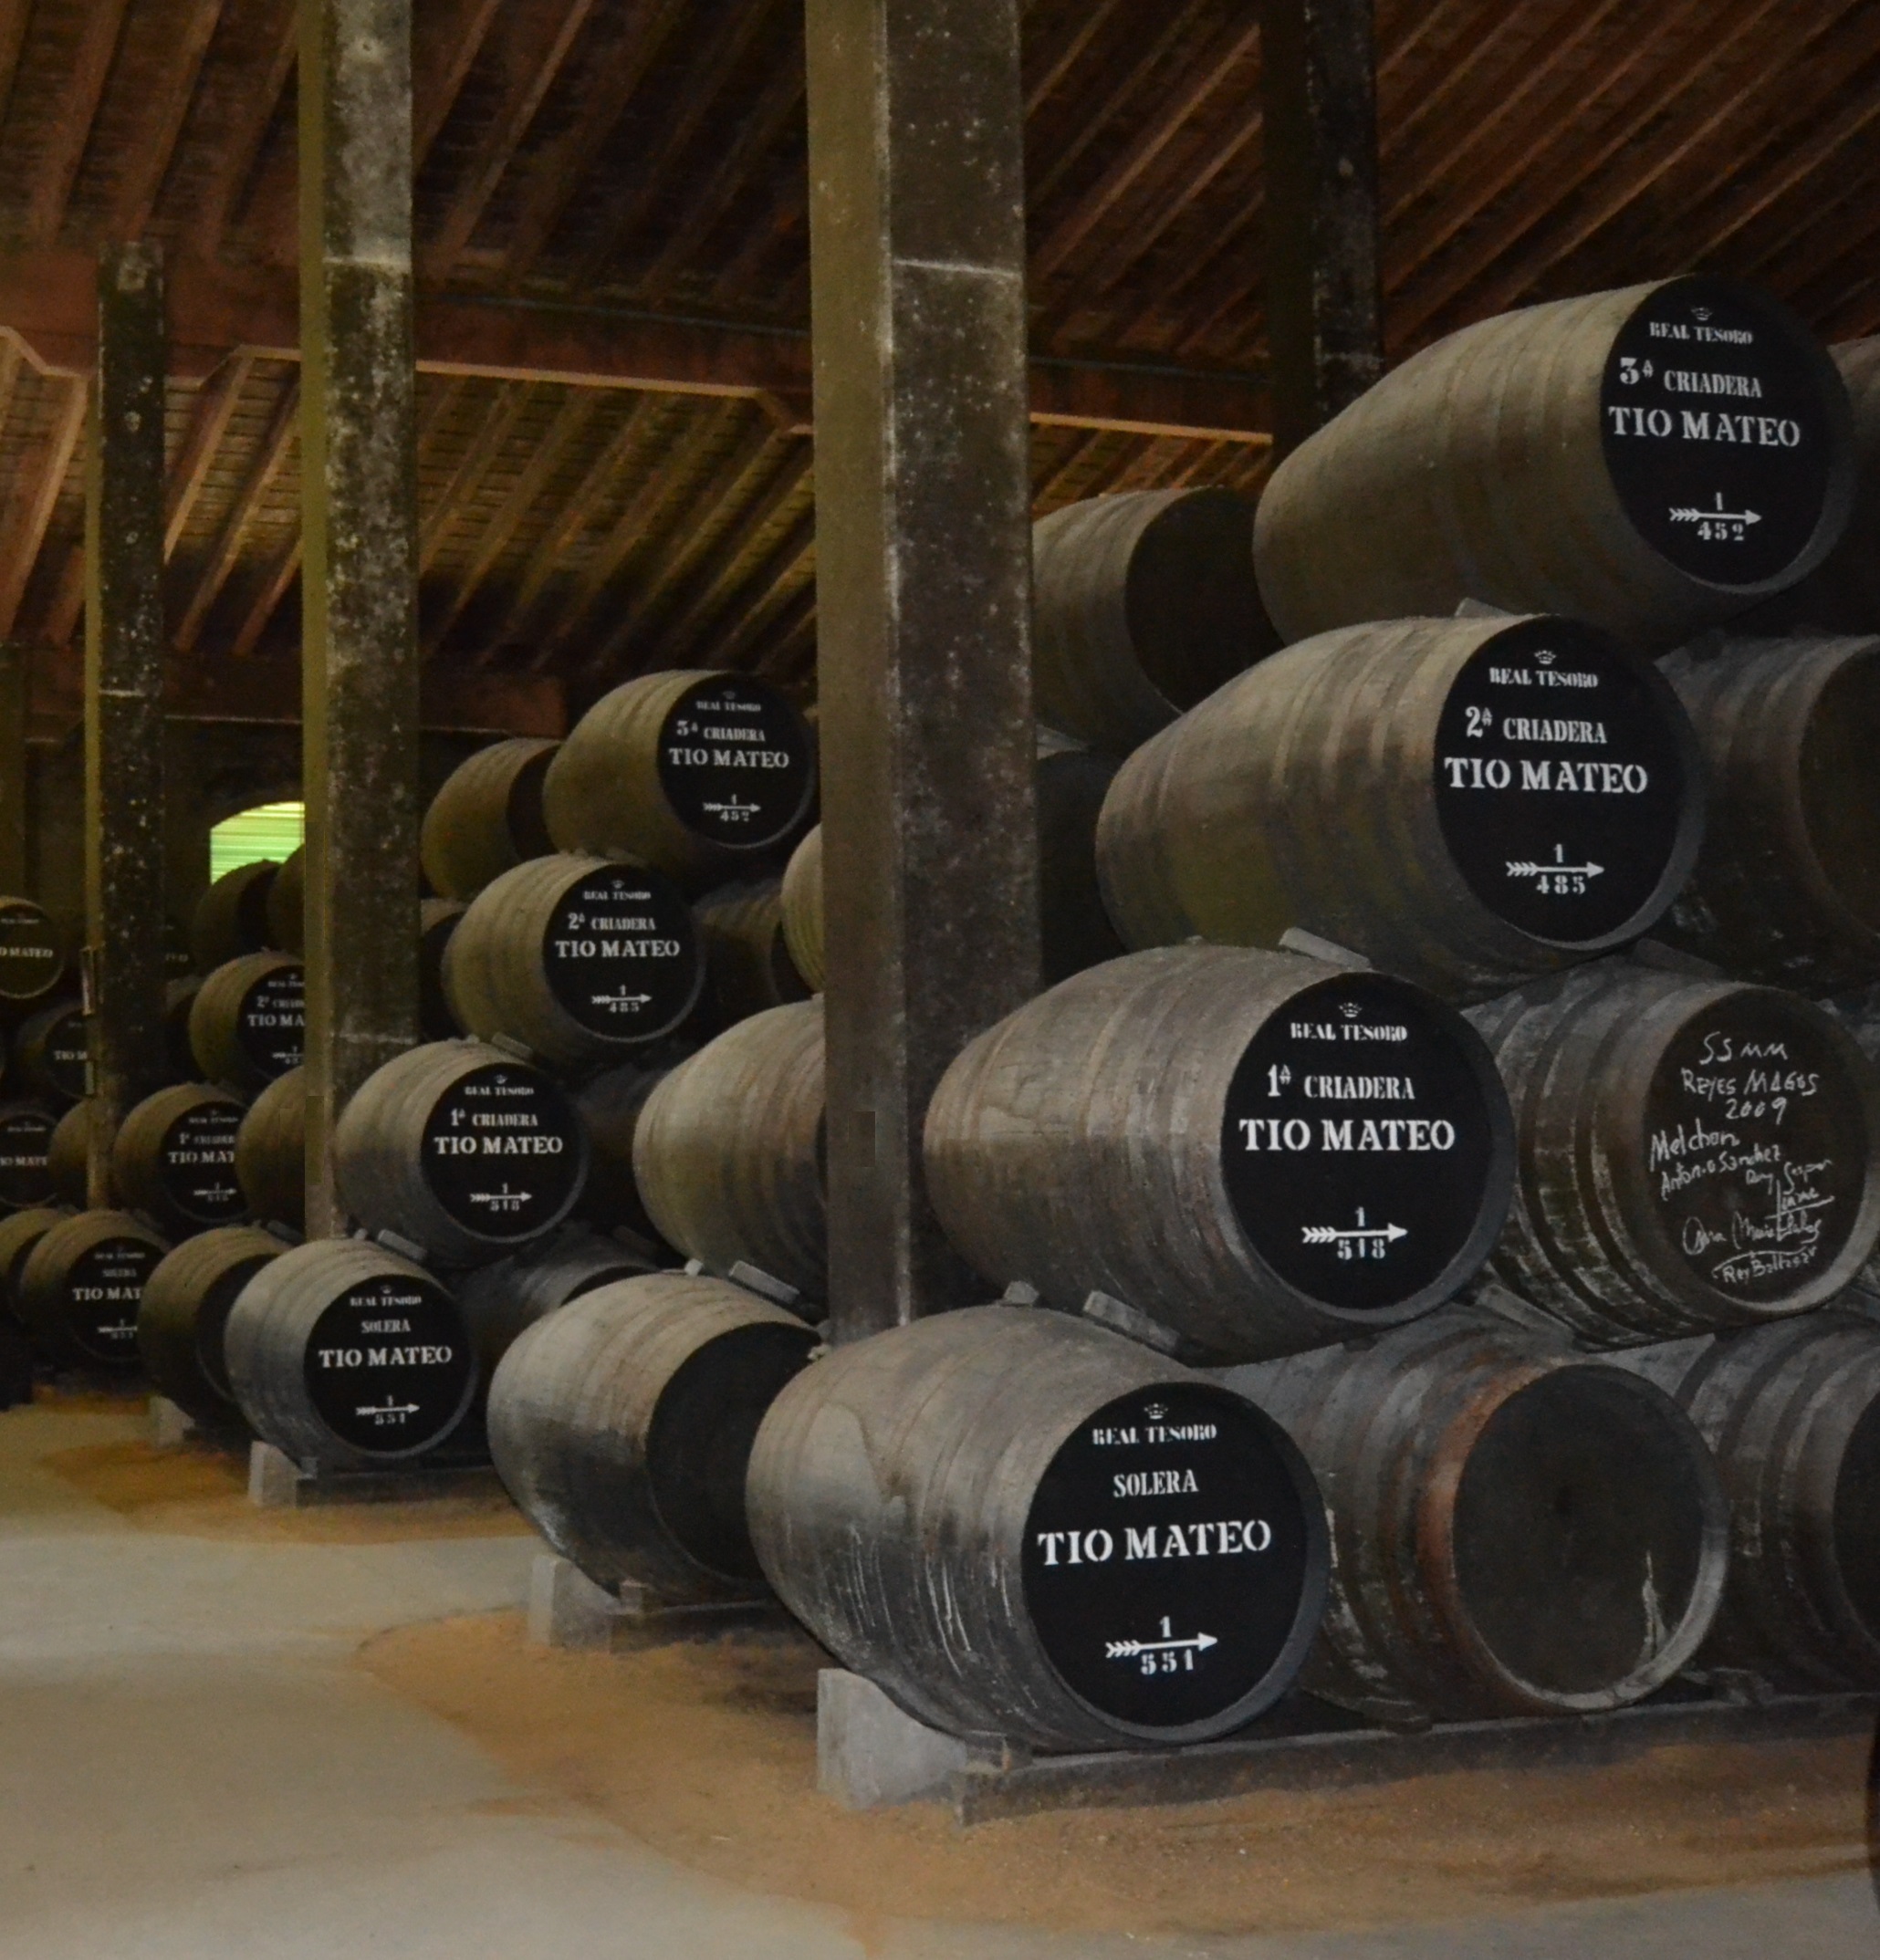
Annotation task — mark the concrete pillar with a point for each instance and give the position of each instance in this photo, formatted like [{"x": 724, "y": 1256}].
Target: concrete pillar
[
  {"x": 14, "y": 676},
  {"x": 359, "y": 577},
  {"x": 1324, "y": 304},
  {"x": 124, "y": 695},
  {"x": 922, "y": 524}
]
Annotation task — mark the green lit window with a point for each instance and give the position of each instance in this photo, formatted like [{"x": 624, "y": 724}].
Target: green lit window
[{"x": 269, "y": 830}]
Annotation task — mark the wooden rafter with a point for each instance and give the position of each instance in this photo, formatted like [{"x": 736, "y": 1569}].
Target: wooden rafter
[
  {"x": 217, "y": 402},
  {"x": 148, "y": 160},
  {"x": 276, "y": 444},
  {"x": 270, "y": 589},
  {"x": 446, "y": 41},
  {"x": 58, "y": 169},
  {"x": 486, "y": 447},
  {"x": 758, "y": 600},
  {"x": 35, "y": 496},
  {"x": 241, "y": 145}
]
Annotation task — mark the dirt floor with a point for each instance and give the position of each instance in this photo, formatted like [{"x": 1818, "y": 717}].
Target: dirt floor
[{"x": 706, "y": 1751}]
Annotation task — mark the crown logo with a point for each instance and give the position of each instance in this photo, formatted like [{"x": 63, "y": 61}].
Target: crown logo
[
  {"x": 1700, "y": 313},
  {"x": 1350, "y": 1009},
  {"x": 1156, "y": 1411},
  {"x": 1544, "y": 658}
]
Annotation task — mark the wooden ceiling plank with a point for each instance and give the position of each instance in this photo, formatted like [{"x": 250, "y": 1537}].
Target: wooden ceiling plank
[
  {"x": 677, "y": 539},
  {"x": 66, "y": 608},
  {"x": 241, "y": 145},
  {"x": 786, "y": 214},
  {"x": 1049, "y": 65},
  {"x": 278, "y": 439},
  {"x": 1396, "y": 50},
  {"x": 58, "y": 169},
  {"x": 572, "y": 417},
  {"x": 768, "y": 653},
  {"x": 39, "y": 486},
  {"x": 1045, "y": 491},
  {"x": 1443, "y": 102},
  {"x": 757, "y": 599},
  {"x": 273, "y": 589},
  {"x": 1209, "y": 73},
  {"x": 738, "y": 28},
  {"x": 540, "y": 35},
  {"x": 15, "y": 16},
  {"x": 492, "y": 434},
  {"x": 149, "y": 163},
  {"x": 447, "y": 42},
  {"x": 217, "y": 402}
]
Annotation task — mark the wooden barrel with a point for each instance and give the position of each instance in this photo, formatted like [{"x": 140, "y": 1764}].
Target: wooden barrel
[
  {"x": 81, "y": 1283},
  {"x": 287, "y": 902},
  {"x": 749, "y": 965},
  {"x": 622, "y": 1424},
  {"x": 1515, "y": 1530},
  {"x": 172, "y": 1159},
  {"x": 1791, "y": 1413},
  {"x": 53, "y": 1051},
  {"x": 1022, "y": 1525},
  {"x": 270, "y": 1152},
  {"x": 25, "y": 1140},
  {"x": 1653, "y": 461},
  {"x": 186, "y": 1304},
  {"x": 1465, "y": 802},
  {"x": 610, "y": 1104},
  {"x": 231, "y": 916},
  {"x": 487, "y": 817},
  {"x": 345, "y": 1355},
  {"x": 1787, "y": 888},
  {"x": 437, "y": 922},
  {"x": 802, "y": 910},
  {"x": 579, "y": 959},
  {"x": 1142, "y": 603},
  {"x": 696, "y": 773},
  {"x": 249, "y": 1022},
  {"x": 729, "y": 1151},
  {"x": 501, "y": 1300},
  {"x": 1262, "y": 1152},
  {"x": 32, "y": 952},
  {"x": 461, "y": 1149},
  {"x": 19, "y": 1233},
  {"x": 179, "y": 998},
  {"x": 1693, "y": 1154},
  {"x": 69, "y": 1152}
]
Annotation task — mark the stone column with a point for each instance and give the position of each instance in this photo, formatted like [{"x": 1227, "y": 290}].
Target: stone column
[
  {"x": 13, "y": 679},
  {"x": 923, "y": 524},
  {"x": 124, "y": 697},
  {"x": 359, "y": 576},
  {"x": 1324, "y": 305}
]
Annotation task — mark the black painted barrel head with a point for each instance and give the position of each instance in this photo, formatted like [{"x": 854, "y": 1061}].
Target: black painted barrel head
[
  {"x": 212, "y": 1319},
  {"x": 1726, "y": 433},
  {"x": 698, "y": 1443},
  {"x": 195, "y": 1165},
  {"x": 621, "y": 954},
  {"x": 271, "y": 1022},
  {"x": 1175, "y": 1559},
  {"x": 103, "y": 1289},
  {"x": 505, "y": 1153},
  {"x": 32, "y": 954},
  {"x": 1366, "y": 1145},
  {"x": 389, "y": 1368},
  {"x": 1195, "y": 613},
  {"x": 1757, "y": 1145},
  {"x": 737, "y": 763},
  {"x": 26, "y": 1137},
  {"x": 1568, "y": 784},
  {"x": 62, "y": 1053}
]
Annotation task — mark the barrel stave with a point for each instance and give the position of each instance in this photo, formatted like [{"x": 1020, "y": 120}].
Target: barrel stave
[
  {"x": 246, "y": 1023},
  {"x": 110, "y": 1253},
  {"x": 486, "y": 817},
  {"x": 803, "y": 909},
  {"x": 184, "y": 1311},
  {"x": 231, "y": 916},
  {"x": 189, "y": 1115},
  {"x": 270, "y": 1161}
]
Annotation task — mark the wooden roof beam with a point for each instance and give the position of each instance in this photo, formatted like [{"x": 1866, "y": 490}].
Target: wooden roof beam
[
  {"x": 150, "y": 158},
  {"x": 58, "y": 169},
  {"x": 37, "y": 497},
  {"x": 283, "y": 430}
]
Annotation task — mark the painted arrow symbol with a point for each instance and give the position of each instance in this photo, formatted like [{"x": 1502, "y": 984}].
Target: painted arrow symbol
[
  {"x": 1126, "y": 1650},
  {"x": 390, "y": 1407},
  {"x": 1325, "y": 1234}
]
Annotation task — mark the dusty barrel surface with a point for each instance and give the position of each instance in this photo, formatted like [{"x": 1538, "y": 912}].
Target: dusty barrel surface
[
  {"x": 622, "y": 1425},
  {"x": 173, "y": 1158},
  {"x": 580, "y": 959},
  {"x": 486, "y": 817},
  {"x": 1792, "y": 1414},
  {"x": 184, "y": 1311},
  {"x": 270, "y": 1152},
  {"x": 437, "y": 922},
  {"x": 19, "y": 1233},
  {"x": 25, "y": 1140},
  {"x": 80, "y": 1286},
  {"x": 249, "y": 1022},
  {"x": 728, "y": 1149},
  {"x": 1465, "y": 802},
  {"x": 610, "y": 1104},
  {"x": 1142, "y": 603},
  {"x": 1262, "y": 1152},
  {"x": 696, "y": 773},
  {"x": 286, "y": 903},
  {"x": 67, "y": 1153},
  {"x": 747, "y": 959},
  {"x": 52, "y": 1050},
  {"x": 1515, "y": 1530},
  {"x": 1787, "y": 887},
  {"x": 33, "y": 957},
  {"x": 501, "y": 1300},
  {"x": 1693, "y": 1155},
  {"x": 803, "y": 909},
  {"x": 461, "y": 1149},
  {"x": 1653, "y": 460},
  {"x": 344, "y": 1354},
  {"x": 1022, "y": 1525},
  {"x": 231, "y": 916}
]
